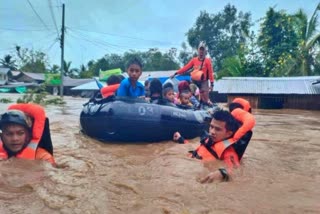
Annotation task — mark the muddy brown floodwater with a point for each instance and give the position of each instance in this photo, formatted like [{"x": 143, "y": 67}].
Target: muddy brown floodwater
[{"x": 280, "y": 172}]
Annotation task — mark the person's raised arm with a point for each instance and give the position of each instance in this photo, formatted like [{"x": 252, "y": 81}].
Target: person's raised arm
[
  {"x": 185, "y": 68},
  {"x": 211, "y": 74}
]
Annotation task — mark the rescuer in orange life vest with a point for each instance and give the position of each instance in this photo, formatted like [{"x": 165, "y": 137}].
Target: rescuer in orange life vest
[
  {"x": 226, "y": 141},
  {"x": 25, "y": 133}
]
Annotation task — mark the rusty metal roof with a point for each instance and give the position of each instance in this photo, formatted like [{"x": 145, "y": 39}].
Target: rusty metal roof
[{"x": 268, "y": 85}]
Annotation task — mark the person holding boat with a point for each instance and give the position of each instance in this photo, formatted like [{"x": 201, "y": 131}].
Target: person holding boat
[{"x": 228, "y": 138}]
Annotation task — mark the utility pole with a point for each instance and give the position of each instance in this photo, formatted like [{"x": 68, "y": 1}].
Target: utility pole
[{"x": 62, "y": 52}]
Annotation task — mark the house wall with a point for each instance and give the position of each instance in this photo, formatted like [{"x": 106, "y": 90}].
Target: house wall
[
  {"x": 3, "y": 78},
  {"x": 311, "y": 102},
  {"x": 307, "y": 102}
]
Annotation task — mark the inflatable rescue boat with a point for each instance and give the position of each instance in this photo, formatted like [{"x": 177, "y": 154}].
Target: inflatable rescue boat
[{"x": 134, "y": 120}]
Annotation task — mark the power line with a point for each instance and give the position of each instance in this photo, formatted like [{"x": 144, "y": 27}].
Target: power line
[
  {"x": 31, "y": 43},
  {"x": 104, "y": 43},
  {"x": 44, "y": 24},
  {"x": 53, "y": 17},
  {"x": 54, "y": 42},
  {"x": 92, "y": 42},
  {"x": 20, "y": 29},
  {"x": 116, "y": 35}
]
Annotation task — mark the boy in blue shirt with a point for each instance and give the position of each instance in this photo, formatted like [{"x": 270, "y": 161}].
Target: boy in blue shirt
[{"x": 130, "y": 87}]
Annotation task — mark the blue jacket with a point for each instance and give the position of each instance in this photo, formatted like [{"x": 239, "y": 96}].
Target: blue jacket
[{"x": 126, "y": 90}]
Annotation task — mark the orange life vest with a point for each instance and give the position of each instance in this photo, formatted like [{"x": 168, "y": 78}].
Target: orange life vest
[
  {"x": 247, "y": 122},
  {"x": 38, "y": 114},
  {"x": 211, "y": 152},
  {"x": 109, "y": 90},
  {"x": 245, "y": 104}
]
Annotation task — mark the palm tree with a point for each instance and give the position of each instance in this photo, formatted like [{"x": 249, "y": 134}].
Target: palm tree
[
  {"x": 68, "y": 71},
  {"x": 8, "y": 62},
  {"x": 303, "y": 61}
]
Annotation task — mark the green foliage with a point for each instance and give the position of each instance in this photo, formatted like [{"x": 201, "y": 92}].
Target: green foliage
[
  {"x": 68, "y": 71},
  {"x": 8, "y": 62},
  {"x": 55, "y": 69},
  {"x": 305, "y": 59},
  {"x": 223, "y": 33},
  {"x": 55, "y": 101},
  {"x": 152, "y": 60},
  {"x": 245, "y": 63},
  {"x": 185, "y": 54},
  {"x": 287, "y": 45},
  {"x": 39, "y": 96},
  {"x": 5, "y": 100},
  {"x": 31, "y": 60},
  {"x": 277, "y": 40}
]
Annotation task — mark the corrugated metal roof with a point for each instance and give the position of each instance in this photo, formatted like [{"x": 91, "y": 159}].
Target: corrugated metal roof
[
  {"x": 35, "y": 76},
  {"x": 155, "y": 74},
  {"x": 70, "y": 82},
  {"x": 268, "y": 85},
  {"x": 4, "y": 70},
  {"x": 88, "y": 86}
]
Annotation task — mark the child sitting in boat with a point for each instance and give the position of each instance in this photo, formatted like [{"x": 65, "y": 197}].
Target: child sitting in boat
[
  {"x": 184, "y": 98},
  {"x": 195, "y": 95},
  {"x": 167, "y": 96},
  {"x": 113, "y": 83},
  {"x": 155, "y": 90},
  {"x": 131, "y": 87},
  {"x": 168, "y": 92}
]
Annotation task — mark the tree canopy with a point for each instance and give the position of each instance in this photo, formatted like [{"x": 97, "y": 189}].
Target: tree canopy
[{"x": 286, "y": 45}]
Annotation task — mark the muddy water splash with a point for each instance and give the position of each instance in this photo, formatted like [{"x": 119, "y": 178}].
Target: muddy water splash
[{"x": 280, "y": 172}]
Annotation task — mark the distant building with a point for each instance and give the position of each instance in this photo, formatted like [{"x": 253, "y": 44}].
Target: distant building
[
  {"x": 28, "y": 77},
  {"x": 4, "y": 75},
  {"x": 39, "y": 78},
  {"x": 273, "y": 92}
]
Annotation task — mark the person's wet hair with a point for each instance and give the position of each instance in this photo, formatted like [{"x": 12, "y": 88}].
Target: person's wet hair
[
  {"x": 155, "y": 87},
  {"x": 146, "y": 83},
  {"x": 184, "y": 92},
  {"x": 121, "y": 77},
  {"x": 225, "y": 116},
  {"x": 233, "y": 106},
  {"x": 134, "y": 61},
  {"x": 167, "y": 85},
  {"x": 183, "y": 85},
  {"x": 166, "y": 90},
  {"x": 113, "y": 79}
]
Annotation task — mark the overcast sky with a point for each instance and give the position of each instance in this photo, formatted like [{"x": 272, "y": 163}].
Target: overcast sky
[{"x": 98, "y": 27}]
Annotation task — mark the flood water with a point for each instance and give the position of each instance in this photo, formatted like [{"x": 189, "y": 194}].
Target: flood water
[{"x": 280, "y": 172}]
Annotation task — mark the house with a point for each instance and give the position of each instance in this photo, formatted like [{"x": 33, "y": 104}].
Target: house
[
  {"x": 39, "y": 78},
  {"x": 87, "y": 89},
  {"x": 70, "y": 83},
  {"x": 4, "y": 75},
  {"x": 28, "y": 77},
  {"x": 273, "y": 92}
]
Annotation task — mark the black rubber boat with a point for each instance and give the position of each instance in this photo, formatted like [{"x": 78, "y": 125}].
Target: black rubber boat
[{"x": 134, "y": 120}]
